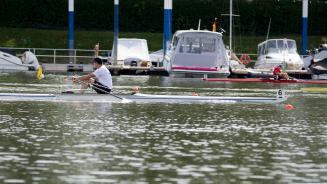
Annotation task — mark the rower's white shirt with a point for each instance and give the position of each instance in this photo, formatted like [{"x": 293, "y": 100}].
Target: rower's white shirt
[{"x": 103, "y": 76}]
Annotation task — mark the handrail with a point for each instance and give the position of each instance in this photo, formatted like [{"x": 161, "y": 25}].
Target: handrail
[{"x": 74, "y": 55}]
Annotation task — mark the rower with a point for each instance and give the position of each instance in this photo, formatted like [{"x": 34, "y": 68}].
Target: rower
[
  {"x": 100, "y": 80},
  {"x": 278, "y": 74}
]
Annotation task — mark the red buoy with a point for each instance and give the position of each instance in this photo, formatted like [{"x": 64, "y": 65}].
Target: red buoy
[{"x": 289, "y": 107}]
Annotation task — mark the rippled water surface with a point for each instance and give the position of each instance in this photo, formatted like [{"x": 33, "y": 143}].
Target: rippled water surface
[{"x": 46, "y": 142}]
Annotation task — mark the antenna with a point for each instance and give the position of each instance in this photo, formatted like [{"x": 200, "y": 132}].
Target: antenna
[{"x": 268, "y": 29}]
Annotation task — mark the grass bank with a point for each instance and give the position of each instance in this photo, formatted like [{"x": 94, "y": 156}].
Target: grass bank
[{"x": 42, "y": 38}]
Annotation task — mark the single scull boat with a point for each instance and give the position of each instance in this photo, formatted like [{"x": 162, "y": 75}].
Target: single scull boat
[{"x": 139, "y": 97}]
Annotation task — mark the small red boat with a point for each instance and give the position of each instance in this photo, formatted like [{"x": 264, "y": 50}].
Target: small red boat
[{"x": 266, "y": 80}]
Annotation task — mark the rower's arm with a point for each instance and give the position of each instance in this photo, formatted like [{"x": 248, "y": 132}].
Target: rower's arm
[{"x": 86, "y": 77}]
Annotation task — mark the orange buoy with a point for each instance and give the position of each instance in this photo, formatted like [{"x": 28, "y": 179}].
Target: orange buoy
[{"x": 289, "y": 107}]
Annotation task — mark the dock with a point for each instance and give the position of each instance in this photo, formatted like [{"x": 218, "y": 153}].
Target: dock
[
  {"x": 160, "y": 71},
  {"x": 115, "y": 70}
]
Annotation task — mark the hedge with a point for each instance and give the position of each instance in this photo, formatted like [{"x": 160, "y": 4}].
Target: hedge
[{"x": 147, "y": 15}]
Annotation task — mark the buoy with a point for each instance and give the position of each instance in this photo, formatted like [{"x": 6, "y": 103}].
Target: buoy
[{"x": 289, "y": 107}]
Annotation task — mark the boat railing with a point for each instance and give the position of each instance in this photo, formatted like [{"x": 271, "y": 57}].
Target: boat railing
[{"x": 61, "y": 56}]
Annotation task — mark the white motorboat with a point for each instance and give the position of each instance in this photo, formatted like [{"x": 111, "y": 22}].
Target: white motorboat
[
  {"x": 197, "y": 53},
  {"x": 11, "y": 63},
  {"x": 139, "y": 97},
  {"x": 132, "y": 52},
  {"x": 274, "y": 52}
]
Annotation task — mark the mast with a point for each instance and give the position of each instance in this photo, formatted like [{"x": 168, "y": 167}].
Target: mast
[{"x": 268, "y": 29}]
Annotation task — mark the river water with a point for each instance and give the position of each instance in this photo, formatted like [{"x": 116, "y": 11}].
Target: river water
[{"x": 52, "y": 142}]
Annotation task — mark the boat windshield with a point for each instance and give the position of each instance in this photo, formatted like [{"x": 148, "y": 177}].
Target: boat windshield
[
  {"x": 291, "y": 46},
  {"x": 278, "y": 46},
  {"x": 175, "y": 42},
  {"x": 198, "y": 45}
]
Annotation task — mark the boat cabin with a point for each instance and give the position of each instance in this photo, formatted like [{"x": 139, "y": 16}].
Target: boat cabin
[{"x": 195, "y": 51}]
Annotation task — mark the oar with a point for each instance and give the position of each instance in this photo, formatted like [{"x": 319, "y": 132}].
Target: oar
[{"x": 121, "y": 98}]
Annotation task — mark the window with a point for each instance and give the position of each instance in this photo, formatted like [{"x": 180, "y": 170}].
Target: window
[
  {"x": 197, "y": 45},
  {"x": 272, "y": 47},
  {"x": 175, "y": 42},
  {"x": 291, "y": 46}
]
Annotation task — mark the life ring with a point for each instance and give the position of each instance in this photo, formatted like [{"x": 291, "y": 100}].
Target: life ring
[{"x": 245, "y": 59}]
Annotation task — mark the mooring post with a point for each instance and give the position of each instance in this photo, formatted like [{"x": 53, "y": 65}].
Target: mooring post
[
  {"x": 71, "y": 29},
  {"x": 168, "y": 9},
  {"x": 304, "y": 26},
  {"x": 116, "y": 31}
]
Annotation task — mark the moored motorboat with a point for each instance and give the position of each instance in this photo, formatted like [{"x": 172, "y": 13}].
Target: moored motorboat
[
  {"x": 197, "y": 53},
  {"x": 317, "y": 62},
  {"x": 274, "y": 52},
  {"x": 11, "y": 63},
  {"x": 132, "y": 52}
]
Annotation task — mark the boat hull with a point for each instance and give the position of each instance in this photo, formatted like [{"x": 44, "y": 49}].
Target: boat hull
[
  {"x": 135, "y": 98},
  {"x": 262, "y": 80}
]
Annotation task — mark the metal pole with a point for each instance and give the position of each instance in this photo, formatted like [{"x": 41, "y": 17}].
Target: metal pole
[
  {"x": 116, "y": 30},
  {"x": 75, "y": 56},
  {"x": 304, "y": 26},
  {"x": 168, "y": 9},
  {"x": 54, "y": 56}
]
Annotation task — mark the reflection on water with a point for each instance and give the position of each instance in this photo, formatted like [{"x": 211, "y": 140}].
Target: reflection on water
[{"x": 43, "y": 142}]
